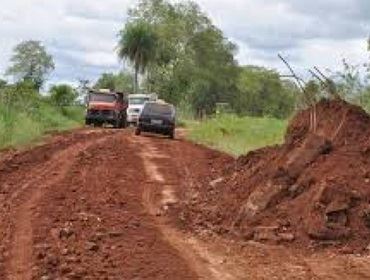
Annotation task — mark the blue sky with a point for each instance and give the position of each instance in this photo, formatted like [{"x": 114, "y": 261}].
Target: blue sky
[{"x": 81, "y": 35}]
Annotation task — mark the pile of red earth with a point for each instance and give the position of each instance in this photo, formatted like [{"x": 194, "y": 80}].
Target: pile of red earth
[{"x": 312, "y": 190}]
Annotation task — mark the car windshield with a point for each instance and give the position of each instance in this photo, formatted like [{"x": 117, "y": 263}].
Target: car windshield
[
  {"x": 157, "y": 109},
  {"x": 138, "y": 100},
  {"x": 100, "y": 97}
]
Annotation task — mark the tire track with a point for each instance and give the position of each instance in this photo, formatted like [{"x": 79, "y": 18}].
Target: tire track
[
  {"x": 20, "y": 261},
  {"x": 207, "y": 264}
]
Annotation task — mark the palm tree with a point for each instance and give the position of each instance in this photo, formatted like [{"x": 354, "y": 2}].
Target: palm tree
[{"x": 137, "y": 43}]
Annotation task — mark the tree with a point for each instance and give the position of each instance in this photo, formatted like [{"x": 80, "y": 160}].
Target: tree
[
  {"x": 115, "y": 82},
  {"x": 62, "y": 95},
  {"x": 214, "y": 69},
  {"x": 348, "y": 80},
  {"x": 31, "y": 62},
  {"x": 194, "y": 63},
  {"x": 312, "y": 92},
  {"x": 261, "y": 92},
  {"x": 137, "y": 44},
  {"x": 351, "y": 85},
  {"x": 21, "y": 95},
  {"x": 3, "y": 83}
]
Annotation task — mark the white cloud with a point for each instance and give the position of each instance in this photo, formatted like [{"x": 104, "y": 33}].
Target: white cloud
[
  {"x": 325, "y": 52},
  {"x": 308, "y": 33},
  {"x": 100, "y": 59},
  {"x": 81, "y": 35}
]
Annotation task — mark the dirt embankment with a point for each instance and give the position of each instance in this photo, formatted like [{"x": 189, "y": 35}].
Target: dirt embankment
[{"x": 312, "y": 190}]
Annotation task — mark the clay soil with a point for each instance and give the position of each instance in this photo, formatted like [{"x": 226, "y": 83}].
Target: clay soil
[
  {"x": 105, "y": 204},
  {"x": 312, "y": 192}
]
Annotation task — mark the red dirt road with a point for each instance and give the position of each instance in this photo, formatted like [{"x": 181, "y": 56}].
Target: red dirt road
[{"x": 103, "y": 204}]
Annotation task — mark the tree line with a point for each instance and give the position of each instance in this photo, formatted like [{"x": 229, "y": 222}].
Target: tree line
[
  {"x": 176, "y": 51},
  {"x": 186, "y": 59}
]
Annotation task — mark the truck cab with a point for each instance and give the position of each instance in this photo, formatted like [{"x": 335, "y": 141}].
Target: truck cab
[
  {"x": 136, "y": 104},
  {"x": 106, "y": 107}
]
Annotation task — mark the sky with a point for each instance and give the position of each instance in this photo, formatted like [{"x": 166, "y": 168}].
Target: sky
[{"x": 82, "y": 35}]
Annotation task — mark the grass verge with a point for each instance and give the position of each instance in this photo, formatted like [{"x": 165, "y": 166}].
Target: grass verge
[
  {"x": 237, "y": 135},
  {"x": 19, "y": 127}
]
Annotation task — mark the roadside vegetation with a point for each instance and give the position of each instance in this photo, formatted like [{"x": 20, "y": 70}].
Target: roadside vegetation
[
  {"x": 26, "y": 114},
  {"x": 237, "y": 135},
  {"x": 19, "y": 128}
]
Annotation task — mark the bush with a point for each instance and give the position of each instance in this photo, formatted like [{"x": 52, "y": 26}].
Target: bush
[
  {"x": 62, "y": 95},
  {"x": 19, "y": 126}
]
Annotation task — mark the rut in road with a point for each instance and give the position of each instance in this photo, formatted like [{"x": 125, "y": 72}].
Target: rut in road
[
  {"x": 20, "y": 263},
  {"x": 182, "y": 166},
  {"x": 26, "y": 198},
  {"x": 158, "y": 198},
  {"x": 83, "y": 218},
  {"x": 106, "y": 205},
  {"x": 88, "y": 221}
]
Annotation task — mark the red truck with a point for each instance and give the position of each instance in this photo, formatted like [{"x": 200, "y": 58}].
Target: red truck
[{"x": 106, "y": 107}]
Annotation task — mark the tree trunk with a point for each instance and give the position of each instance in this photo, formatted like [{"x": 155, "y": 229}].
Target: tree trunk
[
  {"x": 149, "y": 82},
  {"x": 136, "y": 82}
]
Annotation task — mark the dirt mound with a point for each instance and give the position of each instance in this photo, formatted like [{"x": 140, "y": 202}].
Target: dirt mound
[{"x": 313, "y": 189}]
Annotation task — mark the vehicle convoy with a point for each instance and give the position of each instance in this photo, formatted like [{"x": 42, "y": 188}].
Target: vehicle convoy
[
  {"x": 157, "y": 117},
  {"x": 106, "y": 107},
  {"x": 135, "y": 105}
]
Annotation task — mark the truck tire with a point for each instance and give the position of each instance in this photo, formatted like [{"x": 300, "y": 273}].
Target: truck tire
[
  {"x": 124, "y": 122},
  {"x": 117, "y": 123}
]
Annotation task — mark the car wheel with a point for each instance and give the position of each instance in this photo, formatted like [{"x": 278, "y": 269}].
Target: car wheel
[
  {"x": 172, "y": 134},
  {"x": 137, "y": 131}
]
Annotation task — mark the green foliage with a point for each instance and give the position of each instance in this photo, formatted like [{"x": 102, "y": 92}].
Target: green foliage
[
  {"x": 237, "y": 135},
  {"x": 351, "y": 85},
  {"x": 25, "y": 115},
  {"x": 312, "y": 93},
  {"x": 116, "y": 82},
  {"x": 137, "y": 43},
  {"x": 262, "y": 93},
  {"x": 31, "y": 62},
  {"x": 62, "y": 95},
  {"x": 21, "y": 95},
  {"x": 348, "y": 80},
  {"x": 3, "y": 83},
  {"x": 21, "y": 127},
  {"x": 193, "y": 62},
  {"x": 364, "y": 99}
]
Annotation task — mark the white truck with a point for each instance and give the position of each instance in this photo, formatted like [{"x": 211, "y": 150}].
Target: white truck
[{"x": 136, "y": 104}]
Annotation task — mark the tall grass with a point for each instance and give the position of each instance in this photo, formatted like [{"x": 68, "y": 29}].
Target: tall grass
[
  {"x": 19, "y": 127},
  {"x": 237, "y": 135}
]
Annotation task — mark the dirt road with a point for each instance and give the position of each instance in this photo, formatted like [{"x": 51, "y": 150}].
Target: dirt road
[{"x": 103, "y": 204}]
